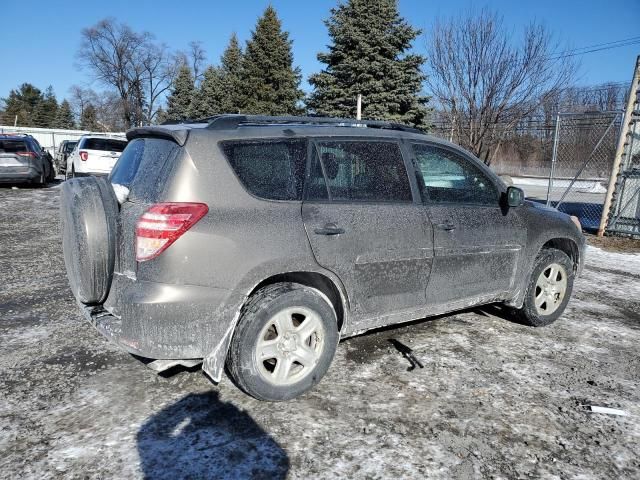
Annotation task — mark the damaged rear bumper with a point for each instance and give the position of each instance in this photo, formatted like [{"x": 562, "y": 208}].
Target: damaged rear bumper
[{"x": 164, "y": 321}]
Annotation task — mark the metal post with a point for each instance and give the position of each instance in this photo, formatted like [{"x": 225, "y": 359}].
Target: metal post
[
  {"x": 553, "y": 159},
  {"x": 359, "y": 107},
  {"x": 617, "y": 159}
]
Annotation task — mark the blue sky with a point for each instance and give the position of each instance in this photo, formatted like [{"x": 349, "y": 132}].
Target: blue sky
[{"x": 39, "y": 39}]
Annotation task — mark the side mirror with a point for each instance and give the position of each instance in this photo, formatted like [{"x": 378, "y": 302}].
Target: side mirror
[{"x": 515, "y": 196}]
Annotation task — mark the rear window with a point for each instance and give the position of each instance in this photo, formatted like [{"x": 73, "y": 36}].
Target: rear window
[
  {"x": 69, "y": 146},
  {"x": 270, "y": 169},
  {"x": 13, "y": 146},
  {"x": 106, "y": 144},
  {"x": 144, "y": 166}
]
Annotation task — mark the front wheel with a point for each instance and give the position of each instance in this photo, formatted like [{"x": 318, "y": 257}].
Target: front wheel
[
  {"x": 549, "y": 288},
  {"x": 284, "y": 342}
]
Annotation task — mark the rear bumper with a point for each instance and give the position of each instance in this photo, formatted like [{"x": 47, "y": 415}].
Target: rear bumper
[
  {"x": 161, "y": 321},
  {"x": 19, "y": 173}
]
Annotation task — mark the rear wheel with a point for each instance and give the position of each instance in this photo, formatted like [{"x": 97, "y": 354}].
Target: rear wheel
[
  {"x": 284, "y": 342},
  {"x": 549, "y": 288}
]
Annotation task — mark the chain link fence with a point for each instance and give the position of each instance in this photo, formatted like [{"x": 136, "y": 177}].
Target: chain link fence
[
  {"x": 625, "y": 212},
  {"x": 584, "y": 147}
]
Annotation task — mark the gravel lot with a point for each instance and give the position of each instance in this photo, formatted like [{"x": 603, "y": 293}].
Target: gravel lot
[{"x": 493, "y": 399}]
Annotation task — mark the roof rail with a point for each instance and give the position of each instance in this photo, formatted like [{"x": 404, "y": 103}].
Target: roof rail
[{"x": 233, "y": 121}]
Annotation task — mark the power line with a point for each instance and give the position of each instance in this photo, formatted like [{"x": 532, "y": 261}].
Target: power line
[{"x": 598, "y": 48}]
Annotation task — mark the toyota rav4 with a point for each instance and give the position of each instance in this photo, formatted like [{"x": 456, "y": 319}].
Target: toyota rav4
[{"x": 259, "y": 242}]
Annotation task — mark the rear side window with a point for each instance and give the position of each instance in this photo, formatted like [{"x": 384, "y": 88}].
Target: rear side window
[
  {"x": 359, "y": 171},
  {"x": 144, "y": 166},
  {"x": 270, "y": 169},
  {"x": 104, "y": 144}
]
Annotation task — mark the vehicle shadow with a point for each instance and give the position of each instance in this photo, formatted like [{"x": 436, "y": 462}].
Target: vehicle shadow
[
  {"x": 500, "y": 311},
  {"x": 202, "y": 437}
]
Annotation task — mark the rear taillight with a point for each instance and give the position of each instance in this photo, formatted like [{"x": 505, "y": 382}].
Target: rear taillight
[
  {"x": 163, "y": 224},
  {"x": 84, "y": 156},
  {"x": 27, "y": 154}
]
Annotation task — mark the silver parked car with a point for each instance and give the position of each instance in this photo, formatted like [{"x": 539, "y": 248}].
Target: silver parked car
[
  {"x": 259, "y": 242},
  {"x": 23, "y": 160}
]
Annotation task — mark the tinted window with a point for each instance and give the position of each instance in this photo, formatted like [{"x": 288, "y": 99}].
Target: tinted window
[
  {"x": 269, "y": 169},
  {"x": 13, "y": 146},
  {"x": 104, "y": 144},
  {"x": 68, "y": 147},
  {"x": 450, "y": 178},
  {"x": 144, "y": 166},
  {"x": 359, "y": 171}
]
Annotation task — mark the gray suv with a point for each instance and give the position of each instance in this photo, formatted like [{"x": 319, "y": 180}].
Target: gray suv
[{"x": 257, "y": 243}]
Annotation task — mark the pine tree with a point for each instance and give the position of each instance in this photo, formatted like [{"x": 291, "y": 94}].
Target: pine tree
[
  {"x": 231, "y": 71},
  {"x": 179, "y": 102},
  {"x": 46, "y": 110},
  {"x": 208, "y": 98},
  {"x": 368, "y": 56},
  {"x": 22, "y": 103},
  {"x": 270, "y": 84},
  {"x": 64, "y": 119},
  {"x": 89, "y": 120}
]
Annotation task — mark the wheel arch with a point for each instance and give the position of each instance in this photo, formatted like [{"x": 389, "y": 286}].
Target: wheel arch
[
  {"x": 315, "y": 280},
  {"x": 567, "y": 246}
]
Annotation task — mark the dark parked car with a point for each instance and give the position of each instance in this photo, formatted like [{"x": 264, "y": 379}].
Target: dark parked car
[
  {"x": 64, "y": 150},
  {"x": 23, "y": 160},
  {"x": 259, "y": 242}
]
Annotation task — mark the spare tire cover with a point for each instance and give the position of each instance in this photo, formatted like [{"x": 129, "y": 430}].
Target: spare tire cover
[{"x": 88, "y": 210}]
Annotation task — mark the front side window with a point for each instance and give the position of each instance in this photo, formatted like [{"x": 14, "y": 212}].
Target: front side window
[
  {"x": 358, "y": 171},
  {"x": 447, "y": 177},
  {"x": 270, "y": 169}
]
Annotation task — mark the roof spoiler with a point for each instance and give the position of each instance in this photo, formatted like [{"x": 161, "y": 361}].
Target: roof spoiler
[{"x": 178, "y": 135}]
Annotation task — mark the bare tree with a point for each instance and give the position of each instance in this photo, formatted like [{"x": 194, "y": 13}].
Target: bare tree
[
  {"x": 197, "y": 57},
  {"x": 487, "y": 84},
  {"x": 108, "y": 107},
  {"x": 159, "y": 70},
  {"x": 138, "y": 69}
]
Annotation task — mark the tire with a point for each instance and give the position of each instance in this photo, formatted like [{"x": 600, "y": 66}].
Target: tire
[
  {"x": 69, "y": 175},
  {"x": 88, "y": 210},
  {"x": 258, "y": 325},
  {"x": 42, "y": 180},
  {"x": 52, "y": 173},
  {"x": 551, "y": 305}
]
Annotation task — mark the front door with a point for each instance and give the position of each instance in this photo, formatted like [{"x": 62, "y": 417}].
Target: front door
[
  {"x": 477, "y": 241},
  {"x": 364, "y": 226}
]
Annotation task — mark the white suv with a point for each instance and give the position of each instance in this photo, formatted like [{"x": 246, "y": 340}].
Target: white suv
[{"x": 95, "y": 155}]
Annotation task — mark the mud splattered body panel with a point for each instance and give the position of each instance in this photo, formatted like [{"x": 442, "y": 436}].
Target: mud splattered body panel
[{"x": 388, "y": 262}]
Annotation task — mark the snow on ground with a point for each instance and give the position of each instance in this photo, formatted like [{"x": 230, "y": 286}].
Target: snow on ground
[{"x": 494, "y": 399}]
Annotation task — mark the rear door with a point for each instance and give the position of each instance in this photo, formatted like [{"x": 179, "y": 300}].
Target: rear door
[
  {"x": 477, "y": 240},
  {"x": 364, "y": 226},
  {"x": 103, "y": 153}
]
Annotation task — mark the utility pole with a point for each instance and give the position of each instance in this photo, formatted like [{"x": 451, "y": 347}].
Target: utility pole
[
  {"x": 359, "y": 107},
  {"x": 617, "y": 159}
]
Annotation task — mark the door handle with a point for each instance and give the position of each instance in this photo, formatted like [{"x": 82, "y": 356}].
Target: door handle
[
  {"x": 447, "y": 226},
  {"x": 329, "y": 229}
]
